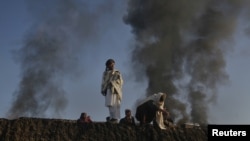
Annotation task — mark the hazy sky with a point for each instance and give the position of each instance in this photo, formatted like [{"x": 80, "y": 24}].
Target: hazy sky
[{"x": 87, "y": 33}]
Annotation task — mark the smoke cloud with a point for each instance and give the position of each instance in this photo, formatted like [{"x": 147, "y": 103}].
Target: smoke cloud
[
  {"x": 179, "y": 49},
  {"x": 60, "y": 31}
]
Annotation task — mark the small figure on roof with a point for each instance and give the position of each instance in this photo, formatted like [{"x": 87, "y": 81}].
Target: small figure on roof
[
  {"x": 84, "y": 118},
  {"x": 128, "y": 119}
]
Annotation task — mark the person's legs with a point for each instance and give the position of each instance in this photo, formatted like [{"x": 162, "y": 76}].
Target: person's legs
[
  {"x": 111, "y": 112},
  {"x": 113, "y": 116},
  {"x": 117, "y": 111},
  {"x": 114, "y": 110},
  {"x": 109, "y": 102}
]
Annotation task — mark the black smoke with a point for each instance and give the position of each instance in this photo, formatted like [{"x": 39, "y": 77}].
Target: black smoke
[
  {"x": 179, "y": 48},
  {"x": 60, "y": 32}
]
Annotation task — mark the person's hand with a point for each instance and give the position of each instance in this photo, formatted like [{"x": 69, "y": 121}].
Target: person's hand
[
  {"x": 163, "y": 111},
  {"x": 103, "y": 93}
]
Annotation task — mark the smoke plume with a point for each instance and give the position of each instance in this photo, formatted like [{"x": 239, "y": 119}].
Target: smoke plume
[
  {"x": 179, "y": 50},
  {"x": 60, "y": 30}
]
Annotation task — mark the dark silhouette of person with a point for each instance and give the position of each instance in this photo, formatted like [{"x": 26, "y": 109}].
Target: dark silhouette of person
[
  {"x": 128, "y": 119},
  {"x": 84, "y": 120}
]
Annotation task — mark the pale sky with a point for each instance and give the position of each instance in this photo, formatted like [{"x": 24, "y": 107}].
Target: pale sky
[{"x": 112, "y": 38}]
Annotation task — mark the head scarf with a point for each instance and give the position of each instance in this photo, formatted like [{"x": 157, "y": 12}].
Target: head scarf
[{"x": 156, "y": 98}]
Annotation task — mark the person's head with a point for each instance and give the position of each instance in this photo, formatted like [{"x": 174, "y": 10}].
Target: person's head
[
  {"x": 83, "y": 115},
  {"x": 110, "y": 63},
  {"x": 128, "y": 112}
]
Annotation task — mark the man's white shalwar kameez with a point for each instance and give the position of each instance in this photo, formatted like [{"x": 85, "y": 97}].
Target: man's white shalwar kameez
[{"x": 112, "y": 84}]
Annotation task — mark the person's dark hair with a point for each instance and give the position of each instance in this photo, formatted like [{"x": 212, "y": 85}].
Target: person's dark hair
[
  {"x": 83, "y": 114},
  {"x": 127, "y": 111},
  {"x": 109, "y": 61}
]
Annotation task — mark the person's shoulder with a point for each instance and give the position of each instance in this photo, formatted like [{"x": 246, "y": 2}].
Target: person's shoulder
[{"x": 122, "y": 120}]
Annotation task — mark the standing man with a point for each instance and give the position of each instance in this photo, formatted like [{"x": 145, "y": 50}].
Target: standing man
[{"x": 111, "y": 88}]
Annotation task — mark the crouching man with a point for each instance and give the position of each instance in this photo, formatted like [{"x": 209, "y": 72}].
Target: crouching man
[{"x": 151, "y": 109}]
